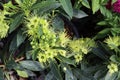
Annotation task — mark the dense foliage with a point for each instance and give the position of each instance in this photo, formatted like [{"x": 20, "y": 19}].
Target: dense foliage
[{"x": 60, "y": 40}]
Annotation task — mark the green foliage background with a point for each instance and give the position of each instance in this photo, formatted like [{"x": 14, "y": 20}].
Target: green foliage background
[{"x": 40, "y": 37}]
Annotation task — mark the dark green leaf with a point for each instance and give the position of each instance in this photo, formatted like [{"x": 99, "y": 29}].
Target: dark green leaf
[
  {"x": 32, "y": 65},
  {"x": 17, "y": 21},
  {"x": 49, "y": 76},
  {"x": 115, "y": 59},
  {"x": 67, "y": 71},
  {"x": 110, "y": 76},
  {"x": 17, "y": 41},
  {"x": 45, "y": 6},
  {"x": 103, "y": 33},
  {"x": 82, "y": 75},
  {"x": 30, "y": 73},
  {"x": 1, "y": 74},
  {"x": 20, "y": 38},
  {"x": 99, "y": 53},
  {"x": 67, "y": 6},
  {"x": 11, "y": 64},
  {"x": 66, "y": 60},
  {"x": 100, "y": 73},
  {"x": 55, "y": 70},
  {"x": 58, "y": 24}
]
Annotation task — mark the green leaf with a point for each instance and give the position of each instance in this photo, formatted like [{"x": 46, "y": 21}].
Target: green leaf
[
  {"x": 81, "y": 75},
  {"x": 13, "y": 45},
  {"x": 100, "y": 74},
  {"x": 30, "y": 73},
  {"x": 95, "y": 5},
  {"x": 105, "y": 12},
  {"x": 115, "y": 59},
  {"x": 99, "y": 53},
  {"x": 1, "y": 74},
  {"x": 85, "y": 3},
  {"x": 103, "y": 33},
  {"x": 79, "y": 13},
  {"x": 67, "y": 70},
  {"x": 17, "y": 21},
  {"x": 17, "y": 41},
  {"x": 31, "y": 65},
  {"x": 67, "y": 6},
  {"x": 49, "y": 76},
  {"x": 22, "y": 73},
  {"x": 11, "y": 64},
  {"x": 20, "y": 38},
  {"x": 58, "y": 24},
  {"x": 45, "y": 6},
  {"x": 113, "y": 1},
  {"x": 66, "y": 60},
  {"x": 102, "y": 23},
  {"x": 110, "y": 76},
  {"x": 55, "y": 70}
]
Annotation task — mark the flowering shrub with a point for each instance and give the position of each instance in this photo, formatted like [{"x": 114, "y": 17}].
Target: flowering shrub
[{"x": 60, "y": 40}]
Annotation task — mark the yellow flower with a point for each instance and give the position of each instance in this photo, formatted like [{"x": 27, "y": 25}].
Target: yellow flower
[
  {"x": 113, "y": 42},
  {"x": 63, "y": 39},
  {"x": 3, "y": 30},
  {"x": 78, "y": 58},
  {"x": 112, "y": 68},
  {"x": 62, "y": 52},
  {"x": 42, "y": 57},
  {"x": 75, "y": 46},
  {"x": 49, "y": 53}
]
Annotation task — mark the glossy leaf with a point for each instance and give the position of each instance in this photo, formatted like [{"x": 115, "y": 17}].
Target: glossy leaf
[
  {"x": 49, "y": 76},
  {"x": 55, "y": 70},
  {"x": 65, "y": 60},
  {"x": 58, "y": 24},
  {"x": 85, "y": 3},
  {"x": 20, "y": 38},
  {"x": 103, "y": 33},
  {"x": 45, "y": 6},
  {"x": 95, "y": 5},
  {"x": 16, "y": 22},
  {"x": 111, "y": 76},
  {"x": 67, "y": 6},
  {"x": 32, "y": 65},
  {"x": 68, "y": 72},
  {"x": 79, "y": 13}
]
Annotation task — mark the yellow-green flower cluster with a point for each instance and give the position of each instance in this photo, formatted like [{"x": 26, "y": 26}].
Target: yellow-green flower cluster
[
  {"x": 113, "y": 42},
  {"x": 51, "y": 43},
  {"x": 83, "y": 45},
  {"x": 44, "y": 38},
  {"x": 3, "y": 25},
  {"x": 80, "y": 47},
  {"x": 112, "y": 68},
  {"x": 26, "y": 5}
]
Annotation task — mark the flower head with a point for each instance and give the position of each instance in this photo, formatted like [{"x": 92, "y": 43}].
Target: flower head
[
  {"x": 112, "y": 67},
  {"x": 113, "y": 42},
  {"x": 4, "y": 26},
  {"x": 78, "y": 58},
  {"x": 116, "y": 6},
  {"x": 42, "y": 57}
]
